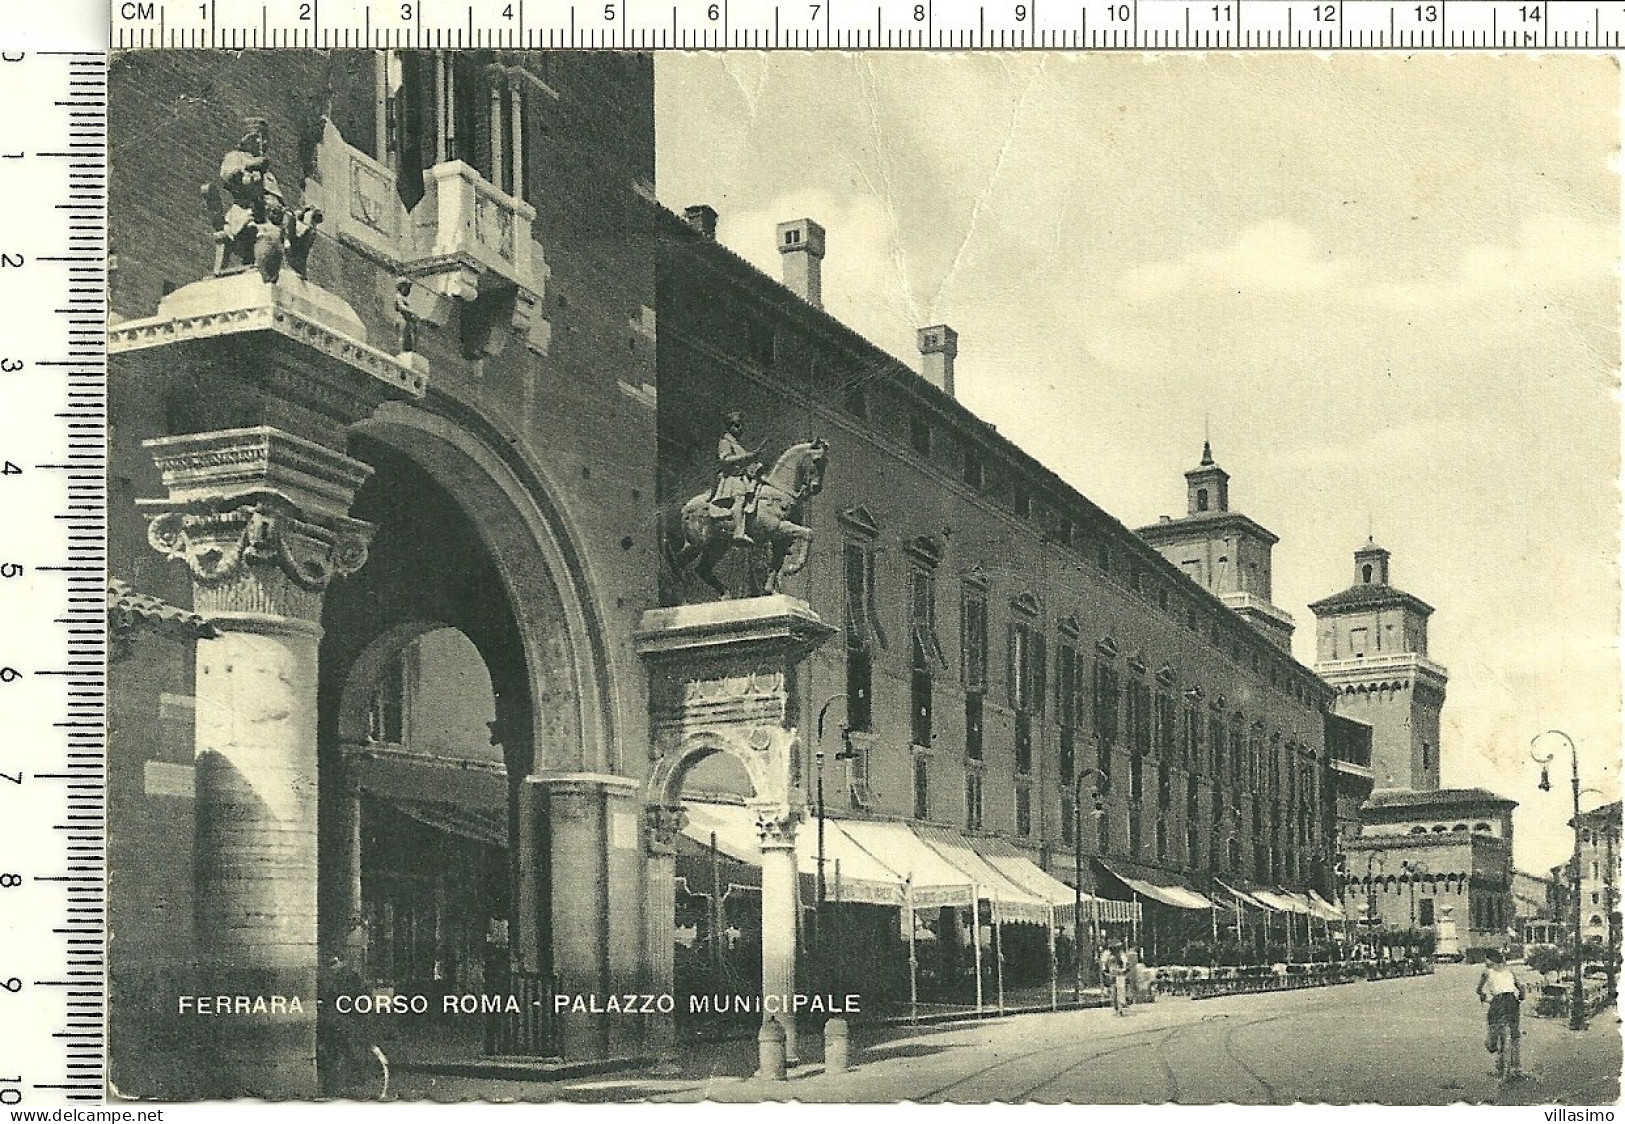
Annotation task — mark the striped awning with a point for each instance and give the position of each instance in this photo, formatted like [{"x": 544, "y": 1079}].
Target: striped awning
[{"x": 1159, "y": 887}]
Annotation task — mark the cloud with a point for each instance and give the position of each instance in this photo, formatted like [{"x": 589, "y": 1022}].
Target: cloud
[
  {"x": 1550, "y": 252},
  {"x": 1273, "y": 257}
]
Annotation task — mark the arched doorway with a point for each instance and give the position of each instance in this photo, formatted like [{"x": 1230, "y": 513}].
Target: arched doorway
[{"x": 463, "y": 646}]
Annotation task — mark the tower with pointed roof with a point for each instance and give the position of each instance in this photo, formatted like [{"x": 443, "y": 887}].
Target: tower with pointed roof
[
  {"x": 1221, "y": 550},
  {"x": 1372, "y": 646}
]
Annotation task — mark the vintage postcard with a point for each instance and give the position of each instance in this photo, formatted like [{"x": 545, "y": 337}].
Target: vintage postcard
[{"x": 864, "y": 577}]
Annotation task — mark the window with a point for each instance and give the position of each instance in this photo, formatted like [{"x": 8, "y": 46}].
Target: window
[
  {"x": 1024, "y": 743},
  {"x": 1201, "y": 499},
  {"x": 1357, "y": 640},
  {"x": 1024, "y": 810},
  {"x": 927, "y": 655},
  {"x": 973, "y": 727},
  {"x": 973, "y": 801},
  {"x": 1164, "y": 731},
  {"x": 855, "y": 401},
  {"x": 1069, "y": 703},
  {"x": 1026, "y": 668},
  {"x": 862, "y": 633},
  {"x": 1069, "y": 818},
  {"x": 922, "y": 789},
  {"x": 972, "y": 466},
  {"x": 859, "y": 689},
  {"x": 386, "y": 713},
  {"x": 1105, "y": 704},
  {"x": 919, "y": 435},
  {"x": 973, "y": 638}
]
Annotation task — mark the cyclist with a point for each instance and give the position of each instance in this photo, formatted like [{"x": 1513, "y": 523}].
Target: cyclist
[{"x": 1499, "y": 987}]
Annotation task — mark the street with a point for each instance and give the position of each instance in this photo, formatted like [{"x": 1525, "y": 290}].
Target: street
[{"x": 1415, "y": 1041}]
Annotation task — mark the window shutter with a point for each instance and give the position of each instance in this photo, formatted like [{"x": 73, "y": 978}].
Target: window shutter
[
  {"x": 873, "y": 603},
  {"x": 1010, "y": 669},
  {"x": 1040, "y": 677}
]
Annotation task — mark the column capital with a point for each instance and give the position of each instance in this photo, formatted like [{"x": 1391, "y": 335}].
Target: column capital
[
  {"x": 662, "y": 824},
  {"x": 776, "y": 827},
  {"x": 260, "y": 518}
]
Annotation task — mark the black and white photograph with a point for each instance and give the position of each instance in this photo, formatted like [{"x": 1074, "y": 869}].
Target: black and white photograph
[{"x": 863, "y": 577}]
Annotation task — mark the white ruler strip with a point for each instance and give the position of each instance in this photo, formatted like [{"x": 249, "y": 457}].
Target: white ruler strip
[
  {"x": 1185, "y": 25},
  {"x": 53, "y": 590}
]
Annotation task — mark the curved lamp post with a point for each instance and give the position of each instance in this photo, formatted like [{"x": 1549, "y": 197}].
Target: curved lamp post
[
  {"x": 1098, "y": 791},
  {"x": 1577, "y": 999},
  {"x": 846, "y": 754},
  {"x": 1414, "y": 870}
]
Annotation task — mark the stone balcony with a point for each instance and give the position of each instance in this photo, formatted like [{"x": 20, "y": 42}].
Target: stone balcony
[{"x": 464, "y": 241}]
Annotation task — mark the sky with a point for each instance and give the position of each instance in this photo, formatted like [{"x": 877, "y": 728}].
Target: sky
[{"x": 1387, "y": 287}]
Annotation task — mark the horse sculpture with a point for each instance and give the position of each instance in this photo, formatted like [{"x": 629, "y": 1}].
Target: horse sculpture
[{"x": 782, "y": 493}]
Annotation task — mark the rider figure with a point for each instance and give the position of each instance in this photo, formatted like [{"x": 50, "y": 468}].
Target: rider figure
[{"x": 738, "y": 473}]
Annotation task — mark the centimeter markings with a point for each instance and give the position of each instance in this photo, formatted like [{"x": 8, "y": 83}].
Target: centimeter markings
[
  {"x": 874, "y": 24},
  {"x": 53, "y": 591}
]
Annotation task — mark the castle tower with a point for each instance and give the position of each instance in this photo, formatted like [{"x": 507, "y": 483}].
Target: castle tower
[
  {"x": 1222, "y": 550},
  {"x": 1372, "y": 645}
]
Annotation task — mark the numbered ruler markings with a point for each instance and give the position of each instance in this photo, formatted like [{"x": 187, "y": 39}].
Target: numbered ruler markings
[
  {"x": 891, "y": 24},
  {"x": 53, "y": 593}
]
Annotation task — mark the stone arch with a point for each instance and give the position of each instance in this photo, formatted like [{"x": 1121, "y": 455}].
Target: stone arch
[
  {"x": 665, "y": 787},
  {"x": 362, "y": 678},
  {"x": 533, "y": 544}
]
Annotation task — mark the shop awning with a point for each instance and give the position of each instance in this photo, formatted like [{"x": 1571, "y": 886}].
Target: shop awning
[
  {"x": 851, "y": 874},
  {"x": 489, "y": 827},
  {"x": 931, "y": 880},
  {"x": 1243, "y": 896},
  {"x": 1014, "y": 902},
  {"x": 1018, "y": 868},
  {"x": 1164, "y": 888},
  {"x": 1324, "y": 909},
  {"x": 1281, "y": 900}
]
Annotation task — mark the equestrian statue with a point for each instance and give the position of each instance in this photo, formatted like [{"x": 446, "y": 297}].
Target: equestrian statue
[{"x": 748, "y": 507}]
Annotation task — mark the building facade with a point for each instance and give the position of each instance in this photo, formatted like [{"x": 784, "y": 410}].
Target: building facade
[
  {"x": 1427, "y": 857},
  {"x": 1012, "y": 661},
  {"x": 1371, "y": 644},
  {"x": 1599, "y": 875},
  {"x": 423, "y": 412}
]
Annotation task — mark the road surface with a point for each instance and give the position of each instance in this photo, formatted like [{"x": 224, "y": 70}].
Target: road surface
[{"x": 1416, "y": 1041}]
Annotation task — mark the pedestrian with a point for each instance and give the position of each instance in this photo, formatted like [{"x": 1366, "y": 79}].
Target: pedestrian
[
  {"x": 1114, "y": 975},
  {"x": 1500, "y": 988}
]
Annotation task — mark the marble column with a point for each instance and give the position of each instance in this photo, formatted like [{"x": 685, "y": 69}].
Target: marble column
[
  {"x": 259, "y": 516},
  {"x": 662, "y": 825},
  {"x": 776, "y": 832}
]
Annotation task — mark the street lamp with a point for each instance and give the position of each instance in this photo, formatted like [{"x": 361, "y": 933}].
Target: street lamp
[
  {"x": 1577, "y": 999},
  {"x": 846, "y": 754},
  {"x": 1373, "y": 867},
  {"x": 1413, "y": 871},
  {"x": 1097, "y": 794}
]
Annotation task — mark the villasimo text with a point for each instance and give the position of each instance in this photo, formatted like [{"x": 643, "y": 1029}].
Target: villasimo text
[{"x": 1571, "y": 1115}]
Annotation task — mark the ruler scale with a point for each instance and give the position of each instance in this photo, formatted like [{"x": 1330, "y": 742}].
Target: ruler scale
[
  {"x": 53, "y": 589},
  {"x": 1091, "y": 25}
]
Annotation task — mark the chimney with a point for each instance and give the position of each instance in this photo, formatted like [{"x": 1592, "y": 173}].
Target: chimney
[
  {"x": 802, "y": 244},
  {"x": 703, "y": 218},
  {"x": 938, "y": 346}
]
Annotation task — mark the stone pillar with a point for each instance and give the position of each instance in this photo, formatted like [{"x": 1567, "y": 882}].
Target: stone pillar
[
  {"x": 725, "y": 678},
  {"x": 662, "y": 824},
  {"x": 260, "y": 518},
  {"x": 776, "y": 830},
  {"x": 588, "y": 832}
]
